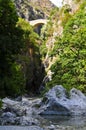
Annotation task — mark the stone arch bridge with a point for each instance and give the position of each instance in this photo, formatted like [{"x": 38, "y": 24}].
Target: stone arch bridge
[{"x": 37, "y": 24}]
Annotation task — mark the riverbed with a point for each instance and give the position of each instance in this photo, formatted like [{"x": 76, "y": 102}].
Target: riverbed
[
  {"x": 67, "y": 122},
  {"x": 54, "y": 123},
  {"x": 53, "y": 112}
]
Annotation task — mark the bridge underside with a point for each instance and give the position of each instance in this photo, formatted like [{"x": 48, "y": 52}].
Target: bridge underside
[
  {"x": 37, "y": 24},
  {"x": 38, "y": 27}
]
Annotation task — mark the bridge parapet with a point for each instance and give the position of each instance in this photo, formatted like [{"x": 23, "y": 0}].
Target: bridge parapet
[{"x": 38, "y": 21}]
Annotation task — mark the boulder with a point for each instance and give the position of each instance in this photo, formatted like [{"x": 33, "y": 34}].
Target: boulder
[
  {"x": 7, "y": 118},
  {"x": 25, "y": 120},
  {"x": 9, "y": 102},
  {"x": 58, "y": 102},
  {"x": 18, "y": 107},
  {"x": 19, "y": 112}
]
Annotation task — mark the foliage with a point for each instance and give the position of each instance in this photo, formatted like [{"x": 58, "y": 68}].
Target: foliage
[
  {"x": 65, "y": 14},
  {"x": 70, "y": 68},
  {"x": 15, "y": 84},
  {"x": 11, "y": 43},
  {"x": 0, "y": 103},
  {"x": 54, "y": 13},
  {"x": 47, "y": 31},
  {"x": 20, "y": 65},
  {"x": 32, "y": 66}
]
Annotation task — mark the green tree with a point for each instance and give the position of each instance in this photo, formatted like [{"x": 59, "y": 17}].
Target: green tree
[
  {"x": 70, "y": 68},
  {"x": 11, "y": 44},
  {"x": 30, "y": 58}
]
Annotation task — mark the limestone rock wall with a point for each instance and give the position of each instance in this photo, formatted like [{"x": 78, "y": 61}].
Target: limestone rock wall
[{"x": 33, "y": 9}]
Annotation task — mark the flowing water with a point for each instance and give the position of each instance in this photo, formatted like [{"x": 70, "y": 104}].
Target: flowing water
[
  {"x": 63, "y": 123},
  {"x": 75, "y": 122}
]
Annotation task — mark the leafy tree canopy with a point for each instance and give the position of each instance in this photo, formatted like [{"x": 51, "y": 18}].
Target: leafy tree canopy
[
  {"x": 11, "y": 43},
  {"x": 70, "y": 68}
]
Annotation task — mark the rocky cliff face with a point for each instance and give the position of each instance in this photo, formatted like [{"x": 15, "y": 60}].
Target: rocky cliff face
[
  {"x": 54, "y": 29},
  {"x": 33, "y": 9}
]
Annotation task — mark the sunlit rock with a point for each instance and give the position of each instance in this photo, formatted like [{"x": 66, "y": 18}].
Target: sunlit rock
[
  {"x": 58, "y": 102},
  {"x": 25, "y": 120},
  {"x": 7, "y": 118}
]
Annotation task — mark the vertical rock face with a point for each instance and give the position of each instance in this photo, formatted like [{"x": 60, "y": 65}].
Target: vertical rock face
[
  {"x": 33, "y": 9},
  {"x": 54, "y": 29}
]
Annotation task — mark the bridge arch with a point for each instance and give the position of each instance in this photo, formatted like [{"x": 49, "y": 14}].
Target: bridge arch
[
  {"x": 38, "y": 21},
  {"x": 37, "y": 24}
]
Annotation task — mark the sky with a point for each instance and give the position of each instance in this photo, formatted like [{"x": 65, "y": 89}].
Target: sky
[{"x": 57, "y": 2}]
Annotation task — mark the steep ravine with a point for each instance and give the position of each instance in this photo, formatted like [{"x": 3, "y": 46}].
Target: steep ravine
[
  {"x": 32, "y": 10},
  {"x": 59, "y": 108},
  {"x": 52, "y": 31}
]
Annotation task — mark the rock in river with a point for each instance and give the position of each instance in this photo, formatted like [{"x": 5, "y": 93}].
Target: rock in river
[{"x": 57, "y": 102}]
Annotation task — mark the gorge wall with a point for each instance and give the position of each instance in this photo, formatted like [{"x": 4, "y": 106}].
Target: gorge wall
[{"x": 33, "y": 9}]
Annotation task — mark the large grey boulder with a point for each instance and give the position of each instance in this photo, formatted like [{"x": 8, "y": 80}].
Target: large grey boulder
[
  {"x": 58, "y": 102},
  {"x": 20, "y": 108},
  {"x": 28, "y": 121},
  {"x": 13, "y": 106},
  {"x": 7, "y": 118},
  {"x": 18, "y": 112}
]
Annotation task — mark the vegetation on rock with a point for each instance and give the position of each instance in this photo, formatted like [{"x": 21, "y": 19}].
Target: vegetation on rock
[
  {"x": 20, "y": 66},
  {"x": 70, "y": 67},
  {"x": 31, "y": 58},
  {"x": 33, "y": 9}
]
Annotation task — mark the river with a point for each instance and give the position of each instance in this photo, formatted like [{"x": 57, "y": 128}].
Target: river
[
  {"x": 60, "y": 122},
  {"x": 76, "y": 122}
]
